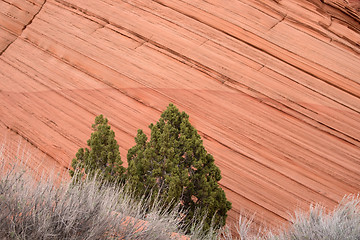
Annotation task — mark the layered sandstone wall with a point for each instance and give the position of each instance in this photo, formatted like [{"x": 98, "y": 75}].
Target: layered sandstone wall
[{"x": 272, "y": 86}]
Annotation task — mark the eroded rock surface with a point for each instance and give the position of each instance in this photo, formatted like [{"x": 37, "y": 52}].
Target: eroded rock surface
[{"x": 272, "y": 87}]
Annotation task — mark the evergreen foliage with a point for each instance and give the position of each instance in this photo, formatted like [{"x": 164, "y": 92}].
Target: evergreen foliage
[
  {"x": 102, "y": 159},
  {"x": 175, "y": 163}
]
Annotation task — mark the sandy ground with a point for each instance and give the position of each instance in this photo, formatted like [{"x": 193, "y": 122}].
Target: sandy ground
[{"x": 272, "y": 86}]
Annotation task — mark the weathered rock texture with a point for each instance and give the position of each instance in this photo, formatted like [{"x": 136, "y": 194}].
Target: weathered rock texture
[{"x": 272, "y": 87}]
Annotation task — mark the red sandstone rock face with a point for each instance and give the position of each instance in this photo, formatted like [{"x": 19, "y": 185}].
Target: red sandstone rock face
[
  {"x": 272, "y": 87},
  {"x": 355, "y": 5}
]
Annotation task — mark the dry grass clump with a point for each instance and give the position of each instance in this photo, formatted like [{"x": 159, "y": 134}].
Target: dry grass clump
[
  {"x": 32, "y": 209},
  {"x": 343, "y": 223}
]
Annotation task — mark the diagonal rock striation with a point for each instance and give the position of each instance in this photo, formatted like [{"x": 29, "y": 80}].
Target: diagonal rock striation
[
  {"x": 272, "y": 86},
  {"x": 15, "y": 15}
]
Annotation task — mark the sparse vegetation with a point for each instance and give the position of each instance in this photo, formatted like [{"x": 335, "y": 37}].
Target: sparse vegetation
[
  {"x": 175, "y": 163},
  {"x": 102, "y": 159},
  {"x": 32, "y": 209},
  {"x": 343, "y": 223}
]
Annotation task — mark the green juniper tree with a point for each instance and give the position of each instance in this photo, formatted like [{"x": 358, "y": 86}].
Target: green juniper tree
[
  {"x": 102, "y": 159},
  {"x": 175, "y": 163}
]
